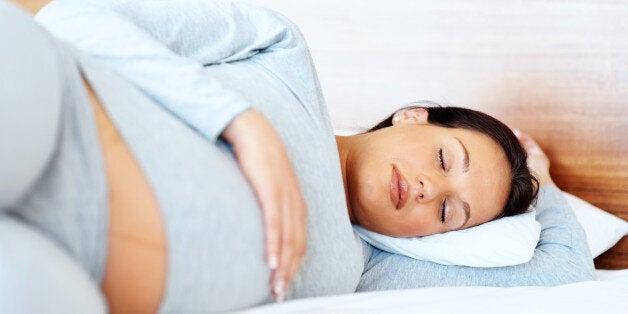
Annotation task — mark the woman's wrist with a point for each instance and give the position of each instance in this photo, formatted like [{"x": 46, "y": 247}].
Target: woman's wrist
[{"x": 238, "y": 126}]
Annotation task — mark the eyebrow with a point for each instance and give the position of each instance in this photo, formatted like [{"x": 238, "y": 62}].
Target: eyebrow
[{"x": 465, "y": 159}]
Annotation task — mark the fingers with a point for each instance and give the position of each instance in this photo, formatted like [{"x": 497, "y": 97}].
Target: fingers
[
  {"x": 522, "y": 137},
  {"x": 292, "y": 246},
  {"x": 537, "y": 161},
  {"x": 531, "y": 147},
  {"x": 264, "y": 161},
  {"x": 280, "y": 277},
  {"x": 298, "y": 240},
  {"x": 273, "y": 225},
  {"x": 528, "y": 143}
]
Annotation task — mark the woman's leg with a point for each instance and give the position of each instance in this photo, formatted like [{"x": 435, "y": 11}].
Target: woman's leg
[
  {"x": 30, "y": 103},
  {"x": 36, "y": 274}
]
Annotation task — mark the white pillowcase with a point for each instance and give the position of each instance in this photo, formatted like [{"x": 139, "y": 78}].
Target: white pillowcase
[
  {"x": 503, "y": 242},
  {"x": 603, "y": 230}
]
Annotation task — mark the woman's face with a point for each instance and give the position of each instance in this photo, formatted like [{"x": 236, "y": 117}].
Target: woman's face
[{"x": 417, "y": 179}]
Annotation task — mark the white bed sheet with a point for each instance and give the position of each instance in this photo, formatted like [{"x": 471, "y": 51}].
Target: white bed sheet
[{"x": 609, "y": 294}]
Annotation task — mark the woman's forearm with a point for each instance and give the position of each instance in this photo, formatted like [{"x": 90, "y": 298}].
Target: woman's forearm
[{"x": 164, "y": 47}]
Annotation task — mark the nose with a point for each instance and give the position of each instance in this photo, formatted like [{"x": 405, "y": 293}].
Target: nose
[{"x": 427, "y": 189}]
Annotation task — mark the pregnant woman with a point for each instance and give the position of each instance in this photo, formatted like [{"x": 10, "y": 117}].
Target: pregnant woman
[{"x": 179, "y": 144}]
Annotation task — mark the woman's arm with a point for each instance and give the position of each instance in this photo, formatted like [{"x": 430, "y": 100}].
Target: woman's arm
[
  {"x": 163, "y": 48},
  {"x": 561, "y": 256}
]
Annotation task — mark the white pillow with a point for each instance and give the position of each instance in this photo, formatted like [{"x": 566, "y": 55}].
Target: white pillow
[
  {"x": 502, "y": 242},
  {"x": 603, "y": 230}
]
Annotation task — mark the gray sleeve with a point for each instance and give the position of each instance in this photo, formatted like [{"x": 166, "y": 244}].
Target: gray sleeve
[
  {"x": 30, "y": 102},
  {"x": 561, "y": 256},
  {"x": 162, "y": 48}
]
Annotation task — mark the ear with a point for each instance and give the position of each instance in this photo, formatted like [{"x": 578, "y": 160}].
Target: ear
[{"x": 411, "y": 116}]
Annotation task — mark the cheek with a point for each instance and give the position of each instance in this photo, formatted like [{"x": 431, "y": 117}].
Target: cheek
[
  {"x": 367, "y": 181},
  {"x": 366, "y": 192},
  {"x": 415, "y": 224},
  {"x": 417, "y": 158},
  {"x": 488, "y": 200}
]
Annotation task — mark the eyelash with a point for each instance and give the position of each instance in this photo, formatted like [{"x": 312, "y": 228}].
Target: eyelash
[
  {"x": 442, "y": 164},
  {"x": 440, "y": 158}
]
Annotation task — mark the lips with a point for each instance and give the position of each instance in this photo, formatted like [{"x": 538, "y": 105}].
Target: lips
[{"x": 398, "y": 189}]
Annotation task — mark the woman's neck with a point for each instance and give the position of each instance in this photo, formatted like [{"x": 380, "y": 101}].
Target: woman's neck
[{"x": 344, "y": 144}]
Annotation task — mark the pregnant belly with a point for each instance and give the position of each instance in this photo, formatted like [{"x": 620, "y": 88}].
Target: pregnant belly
[{"x": 136, "y": 263}]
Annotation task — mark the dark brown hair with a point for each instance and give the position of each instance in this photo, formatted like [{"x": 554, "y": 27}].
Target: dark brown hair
[{"x": 524, "y": 186}]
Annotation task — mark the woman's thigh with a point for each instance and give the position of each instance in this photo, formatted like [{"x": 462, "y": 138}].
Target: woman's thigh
[{"x": 30, "y": 102}]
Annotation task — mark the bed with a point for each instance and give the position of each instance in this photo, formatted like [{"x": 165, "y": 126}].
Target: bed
[{"x": 555, "y": 69}]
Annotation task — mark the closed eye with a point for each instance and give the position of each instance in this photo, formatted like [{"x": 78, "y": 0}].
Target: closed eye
[
  {"x": 440, "y": 158},
  {"x": 442, "y": 212}
]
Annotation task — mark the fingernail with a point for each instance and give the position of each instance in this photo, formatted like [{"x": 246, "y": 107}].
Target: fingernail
[
  {"x": 272, "y": 262},
  {"x": 278, "y": 289}
]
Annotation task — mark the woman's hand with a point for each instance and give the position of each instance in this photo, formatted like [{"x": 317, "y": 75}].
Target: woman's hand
[
  {"x": 264, "y": 162},
  {"x": 538, "y": 163}
]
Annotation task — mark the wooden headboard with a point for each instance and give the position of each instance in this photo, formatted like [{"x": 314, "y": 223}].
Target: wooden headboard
[{"x": 557, "y": 70}]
